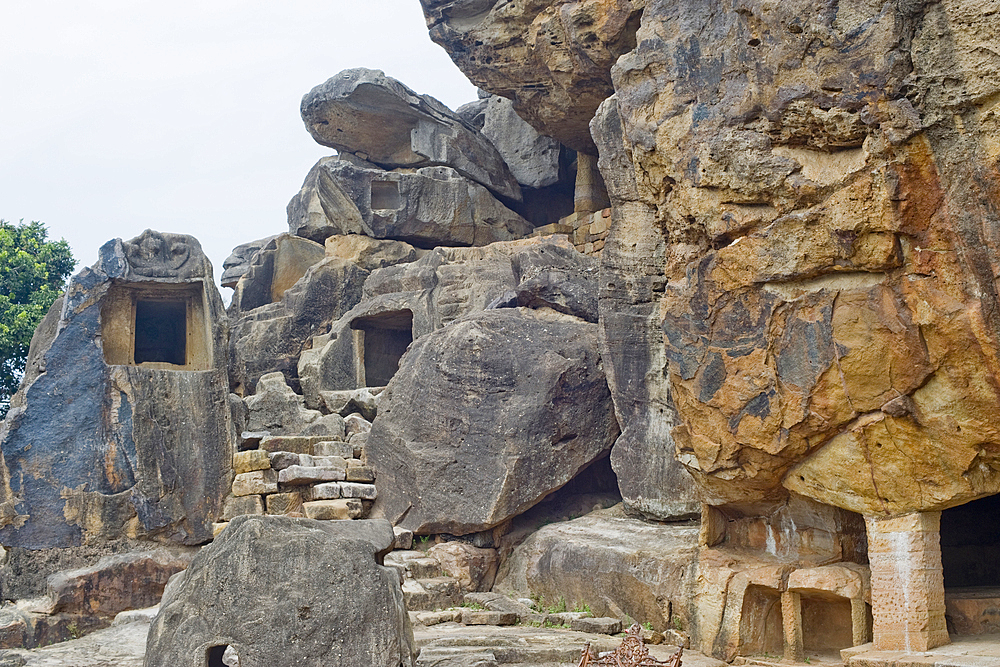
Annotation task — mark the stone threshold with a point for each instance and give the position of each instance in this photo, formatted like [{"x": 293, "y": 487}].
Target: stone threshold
[{"x": 963, "y": 651}]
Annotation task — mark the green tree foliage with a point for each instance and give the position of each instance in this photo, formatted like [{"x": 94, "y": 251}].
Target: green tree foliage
[{"x": 33, "y": 272}]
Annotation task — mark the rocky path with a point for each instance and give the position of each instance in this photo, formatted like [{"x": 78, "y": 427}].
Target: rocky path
[{"x": 124, "y": 644}]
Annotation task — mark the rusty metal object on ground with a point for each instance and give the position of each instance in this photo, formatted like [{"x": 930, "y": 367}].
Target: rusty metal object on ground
[{"x": 631, "y": 653}]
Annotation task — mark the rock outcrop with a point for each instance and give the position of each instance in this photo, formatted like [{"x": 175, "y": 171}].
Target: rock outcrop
[
  {"x": 125, "y": 432},
  {"x": 469, "y": 434},
  {"x": 380, "y": 120},
  {"x": 820, "y": 244},
  {"x": 284, "y": 591},
  {"x": 402, "y": 303},
  {"x": 426, "y": 207},
  {"x": 616, "y": 565},
  {"x": 553, "y": 59}
]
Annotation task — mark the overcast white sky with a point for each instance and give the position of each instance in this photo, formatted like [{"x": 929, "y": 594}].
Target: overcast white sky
[{"x": 122, "y": 115}]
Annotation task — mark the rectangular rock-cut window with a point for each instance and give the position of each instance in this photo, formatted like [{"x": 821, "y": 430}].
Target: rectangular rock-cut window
[
  {"x": 161, "y": 331},
  {"x": 385, "y": 195},
  {"x": 385, "y": 338},
  {"x": 161, "y": 326}
]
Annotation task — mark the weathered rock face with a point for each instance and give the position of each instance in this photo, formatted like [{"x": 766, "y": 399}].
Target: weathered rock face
[
  {"x": 238, "y": 261},
  {"x": 126, "y": 429},
  {"x": 380, "y": 120},
  {"x": 273, "y": 269},
  {"x": 284, "y": 591},
  {"x": 817, "y": 190},
  {"x": 115, "y": 583},
  {"x": 615, "y": 564},
  {"x": 445, "y": 284},
  {"x": 470, "y": 433},
  {"x": 650, "y": 478},
  {"x": 270, "y": 337},
  {"x": 551, "y": 58},
  {"x": 427, "y": 207},
  {"x": 534, "y": 159}
]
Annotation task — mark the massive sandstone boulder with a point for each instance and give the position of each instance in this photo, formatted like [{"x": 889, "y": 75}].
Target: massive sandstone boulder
[
  {"x": 427, "y": 207},
  {"x": 617, "y": 565},
  {"x": 486, "y": 417},
  {"x": 378, "y": 119},
  {"x": 552, "y": 58},
  {"x": 122, "y": 428},
  {"x": 806, "y": 200},
  {"x": 401, "y": 303},
  {"x": 284, "y": 591}
]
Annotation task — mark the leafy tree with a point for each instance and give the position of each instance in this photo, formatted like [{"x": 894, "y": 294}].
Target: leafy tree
[{"x": 33, "y": 272}]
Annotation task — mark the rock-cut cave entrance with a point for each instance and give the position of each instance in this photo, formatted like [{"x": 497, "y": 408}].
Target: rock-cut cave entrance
[
  {"x": 382, "y": 341},
  {"x": 970, "y": 557},
  {"x": 154, "y": 325}
]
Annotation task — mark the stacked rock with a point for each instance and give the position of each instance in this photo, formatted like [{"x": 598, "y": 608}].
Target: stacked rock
[{"x": 313, "y": 476}]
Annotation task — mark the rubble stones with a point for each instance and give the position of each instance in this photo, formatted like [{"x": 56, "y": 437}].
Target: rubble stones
[
  {"x": 239, "y": 505},
  {"x": 448, "y": 463},
  {"x": 379, "y": 119},
  {"x": 599, "y": 626},
  {"x": 424, "y": 207},
  {"x": 320, "y": 582}
]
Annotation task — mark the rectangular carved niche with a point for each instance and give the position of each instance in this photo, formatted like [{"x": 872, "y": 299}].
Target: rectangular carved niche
[
  {"x": 382, "y": 341},
  {"x": 156, "y": 326}
]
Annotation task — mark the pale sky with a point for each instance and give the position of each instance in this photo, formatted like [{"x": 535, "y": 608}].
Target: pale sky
[{"x": 122, "y": 115}]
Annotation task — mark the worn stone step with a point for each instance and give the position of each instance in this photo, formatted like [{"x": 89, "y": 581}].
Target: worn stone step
[
  {"x": 431, "y": 593},
  {"x": 456, "y": 657}
]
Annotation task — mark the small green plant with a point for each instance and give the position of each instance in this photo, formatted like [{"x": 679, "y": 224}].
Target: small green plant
[
  {"x": 582, "y": 608},
  {"x": 423, "y": 539},
  {"x": 469, "y": 604},
  {"x": 678, "y": 624},
  {"x": 558, "y": 608},
  {"x": 807, "y": 660},
  {"x": 647, "y": 625},
  {"x": 74, "y": 630}
]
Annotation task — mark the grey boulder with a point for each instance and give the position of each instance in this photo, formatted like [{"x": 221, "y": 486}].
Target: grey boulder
[
  {"x": 377, "y": 118},
  {"x": 533, "y": 158},
  {"x": 486, "y": 417},
  {"x": 287, "y": 591},
  {"x": 426, "y": 207}
]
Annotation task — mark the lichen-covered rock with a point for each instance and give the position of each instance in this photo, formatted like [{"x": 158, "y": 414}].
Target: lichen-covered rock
[
  {"x": 552, "y": 58},
  {"x": 816, "y": 193},
  {"x": 124, "y": 428},
  {"x": 486, "y": 417},
  {"x": 286, "y": 591},
  {"x": 377, "y": 118},
  {"x": 426, "y": 207}
]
